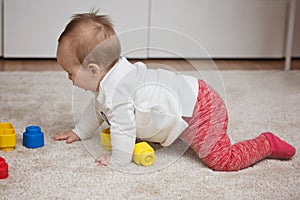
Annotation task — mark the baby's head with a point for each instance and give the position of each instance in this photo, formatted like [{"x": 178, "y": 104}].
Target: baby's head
[{"x": 87, "y": 49}]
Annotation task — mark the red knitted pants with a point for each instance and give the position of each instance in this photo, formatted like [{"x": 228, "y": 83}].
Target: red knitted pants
[{"x": 207, "y": 135}]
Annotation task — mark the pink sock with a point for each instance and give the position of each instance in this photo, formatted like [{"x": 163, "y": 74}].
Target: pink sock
[{"x": 280, "y": 148}]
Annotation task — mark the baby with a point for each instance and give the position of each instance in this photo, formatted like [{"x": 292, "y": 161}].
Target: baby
[{"x": 153, "y": 105}]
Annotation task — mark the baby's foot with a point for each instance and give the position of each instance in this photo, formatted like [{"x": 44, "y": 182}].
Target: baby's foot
[{"x": 280, "y": 148}]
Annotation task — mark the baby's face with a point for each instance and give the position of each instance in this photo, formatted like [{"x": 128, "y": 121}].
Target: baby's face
[{"x": 80, "y": 76}]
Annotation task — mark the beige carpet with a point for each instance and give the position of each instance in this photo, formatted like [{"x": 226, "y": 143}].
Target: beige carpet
[{"x": 257, "y": 101}]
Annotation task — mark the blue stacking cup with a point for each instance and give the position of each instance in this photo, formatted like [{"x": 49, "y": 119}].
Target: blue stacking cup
[{"x": 33, "y": 137}]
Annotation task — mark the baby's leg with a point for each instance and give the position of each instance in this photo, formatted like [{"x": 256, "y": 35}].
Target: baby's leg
[
  {"x": 224, "y": 157},
  {"x": 207, "y": 136}
]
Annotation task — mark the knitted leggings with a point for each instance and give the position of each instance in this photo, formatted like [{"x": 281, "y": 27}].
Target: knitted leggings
[{"x": 207, "y": 135}]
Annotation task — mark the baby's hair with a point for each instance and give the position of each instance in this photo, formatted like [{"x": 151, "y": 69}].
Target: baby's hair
[{"x": 88, "y": 30}]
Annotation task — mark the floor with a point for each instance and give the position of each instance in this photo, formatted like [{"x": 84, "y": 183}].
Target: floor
[{"x": 221, "y": 64}]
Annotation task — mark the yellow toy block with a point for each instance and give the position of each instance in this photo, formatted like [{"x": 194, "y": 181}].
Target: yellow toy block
[
  {"x": 143, "y": 153},
  {"x": 8, "y": 139},
  {"x": 105, "y": 139}
]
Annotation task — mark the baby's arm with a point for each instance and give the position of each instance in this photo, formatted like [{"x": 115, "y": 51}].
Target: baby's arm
[
  {"x": 88, "y": 123},
  {"x": 122, "y": 134}
]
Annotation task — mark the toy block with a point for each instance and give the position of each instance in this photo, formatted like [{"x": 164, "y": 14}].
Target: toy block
[
  {"x": 3, "y": 168},
  {"x": 143, "y": 153},
  {"x": 105, "y": 139},
  {"x": 33, "y": 137},
  {"x": 8, "y": 139}
]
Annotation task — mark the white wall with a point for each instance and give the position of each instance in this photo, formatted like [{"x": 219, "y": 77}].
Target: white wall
[
  {"x": 1, "y": 53},
  {"x": 231, "y": 28},
  {"x": 228, "y": 28},
  {"x": 296, "y": 43},
  {"x": 32, "y": 27}
]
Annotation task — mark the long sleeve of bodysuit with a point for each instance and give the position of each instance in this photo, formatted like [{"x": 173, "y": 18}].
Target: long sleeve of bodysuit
[
  {"x": 89, "y": 121},
  {"x": 122, "y": 133}
]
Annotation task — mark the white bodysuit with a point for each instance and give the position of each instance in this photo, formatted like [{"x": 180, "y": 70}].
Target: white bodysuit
[{"x": 141, "y": 103}]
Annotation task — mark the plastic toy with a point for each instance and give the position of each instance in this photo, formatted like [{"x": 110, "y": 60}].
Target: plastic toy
[
  {"x": 8, "y": 139},
  {"x": 143, "y": 153},
  {"x": 3, "y": 168},
  {"x": 33, "y": 137},
  {"x": 105, "y": 139}
]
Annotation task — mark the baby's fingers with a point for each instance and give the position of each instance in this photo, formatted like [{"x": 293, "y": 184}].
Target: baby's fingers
[
  {"x": 71, "y": 139},
  {"x": 69, "y": 136},
  {"x": 60, "y": 136},
  {"x": 103, "y": 160}
]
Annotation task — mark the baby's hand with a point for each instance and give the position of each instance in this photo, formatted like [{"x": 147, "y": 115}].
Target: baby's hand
[
  {"x": 69, "y": 136},
  {"x": 103, "y": 160}
]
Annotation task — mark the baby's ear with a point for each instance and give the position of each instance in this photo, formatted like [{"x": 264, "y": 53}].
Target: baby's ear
[{"x": 94, "y": 69}]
